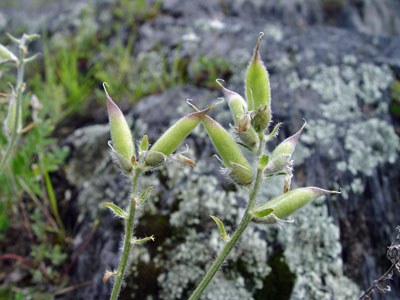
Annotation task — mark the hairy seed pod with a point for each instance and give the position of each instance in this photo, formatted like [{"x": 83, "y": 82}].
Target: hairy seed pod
[
  {"x": 241, "y": 118},
  {"x": 282, "y": 154},
  {"x": 286, "y": 204},
  {"x": 121, "y": 135},
  {"x": 173, "y": 137},
  {"x": 258, "y": 92},
  {"x": 240, "y": 169},
  {"x": 7, "y": 55},
  {"x": 9, "y": 122}
]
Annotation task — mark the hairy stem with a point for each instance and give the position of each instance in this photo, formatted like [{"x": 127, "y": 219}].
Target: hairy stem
[
  {"x": 19, "y": 88},
  {"x": 127, "y": 239},
  {"x": 246, "y": 219}
]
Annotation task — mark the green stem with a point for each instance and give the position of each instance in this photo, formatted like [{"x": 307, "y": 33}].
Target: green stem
[
  {"x": 246, "y": 219},
  {"x": 127, "y": 239},
  {"x": 18, "y": 87}
]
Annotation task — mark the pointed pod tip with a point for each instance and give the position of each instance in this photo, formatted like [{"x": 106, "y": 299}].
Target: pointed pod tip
[
  {"x": 323, "y": 191},
  {"x": 295, "y": 137},
  {"x": 256, "y": 54},
  {"x": 219, "y": 80},
  {"x": 188, "y": 101},
  {"x": 105, "y": 89},
  {"x": 112, "y": 108},
  {"x": 205, "y": 111}
]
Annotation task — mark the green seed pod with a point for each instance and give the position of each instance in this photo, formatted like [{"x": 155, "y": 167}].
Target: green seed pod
[
  {"x": 121, "y": 135},
  {"x": 286, "y": 204},
  {"x": 7, "y": 55},
  {"x": 9, "y": 122},
  {"x": 241, "y": 118},
  {"x": 229, "y": 151},
  {"x": 258, "y": 93},
  {"x": 173, "y": 137},
  {"x": 282, "y": 154}
]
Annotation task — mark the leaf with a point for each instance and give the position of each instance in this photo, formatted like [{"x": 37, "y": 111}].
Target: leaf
[
  {"x": 221, "y": 228},
  {"x": 263, "y": 161},
  {"x": 274, "y": 132},
  {"x": 116, "y": 210},
  {"x": 262, "y": 213},
  {"x": 144, "y": 144},
  {"x": 143, "y": 195},
  {"x": 144, "y": 240}
]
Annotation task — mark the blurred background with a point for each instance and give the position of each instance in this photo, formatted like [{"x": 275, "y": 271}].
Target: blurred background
[{"x": 335, "y": 63}]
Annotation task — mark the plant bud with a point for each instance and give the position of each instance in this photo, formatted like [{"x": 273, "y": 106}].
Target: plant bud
[
  {"x": 258, "y": 92},
  {"x": 121, "y": 135},
  {"x": 6, "y": 55},
  {"x": 240, "y": 169},
  {"x": 282, "y": 154},
  {"x": 241, "y": 118},
  {"x": 288, "y": 203},
  {"x": 173, "y": 137},
  {"x": 9, "y": 122}
]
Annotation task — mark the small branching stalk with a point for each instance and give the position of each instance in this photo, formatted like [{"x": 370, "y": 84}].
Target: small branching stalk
[
  {"x": 13, "y": 122},
  {"x": 393, "y": 254}
]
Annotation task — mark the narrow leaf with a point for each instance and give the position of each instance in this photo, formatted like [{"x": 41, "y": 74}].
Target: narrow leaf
[
  {"x": 274, "y": 132},
  {"x": 263, "y": 161},
  {"x": 144, "y": 240},
  {"x": 115, "y": 209},
  {"x": 144, "y": 144},
  {"x": 143, "y": 195},
  {"x": 221, "y": 228}
]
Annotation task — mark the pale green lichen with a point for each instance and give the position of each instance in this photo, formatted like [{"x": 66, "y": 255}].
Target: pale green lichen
[
  {"x": 316, "y": 262},
  {"x": 370, "y": 143},
  {"x": 348, "y": 91}
]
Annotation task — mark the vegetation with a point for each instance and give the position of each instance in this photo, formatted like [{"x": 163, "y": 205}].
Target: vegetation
[
  {"x": 46, "y": 96},
  {"x": 255, "y": 122}
]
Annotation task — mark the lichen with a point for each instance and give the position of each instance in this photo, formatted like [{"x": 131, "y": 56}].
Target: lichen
[
  {"x": 348, "y": 93},
  {"x": 316, "y": 262},
  {"x": 375, "y": 138}
]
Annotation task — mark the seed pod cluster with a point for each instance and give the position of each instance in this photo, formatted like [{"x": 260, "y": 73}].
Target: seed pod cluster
[{"x": 241, "y": 117}]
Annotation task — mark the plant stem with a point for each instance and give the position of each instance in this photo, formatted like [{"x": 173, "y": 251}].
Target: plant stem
[
  {"x": 376, "y": 283},
  {"x": 127, "y": 239},
  {"x": 246, "y": 219},
  {"x": 18, "y": 87}
]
